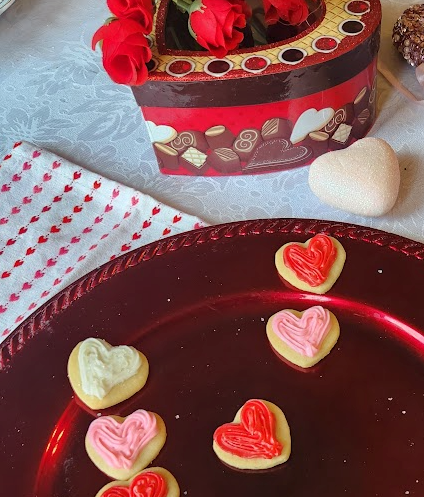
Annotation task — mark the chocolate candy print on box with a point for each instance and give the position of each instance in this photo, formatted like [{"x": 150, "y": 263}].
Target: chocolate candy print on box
[{"x": 263, "y": 108}]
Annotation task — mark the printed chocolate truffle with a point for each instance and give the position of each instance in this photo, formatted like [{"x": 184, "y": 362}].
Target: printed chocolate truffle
[
  {"x": 219, "y": 137},
  {"x": 167, "y": 156},
  {"x": 343, "y": 115},
  {"x": 361, "y": 101},
  {"x": 224, "y": 160},
  {"x": 276, "y": 128},
  {"x": 246, "y": 142},
  {"x": 187, "y": 139},
  {"x": 341, "y": 137},
  {"x": 318, "y": 142},
  {"x": 194, "y": 160}
]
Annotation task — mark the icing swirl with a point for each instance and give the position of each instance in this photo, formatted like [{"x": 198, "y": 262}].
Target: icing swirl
[
  {"x": 102, "y": 366},
  {"x": 148, "y": 484},
  {"x": 312, "y": 264},
  {"x": 120, "y": 444},
  {"x": 254, "y": 436},
  {"x": 304, "y": 334},
  {"x": 116, "y": 491}
]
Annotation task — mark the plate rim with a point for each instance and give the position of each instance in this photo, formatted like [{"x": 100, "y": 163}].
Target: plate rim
[{"x": 21, "y": 335}]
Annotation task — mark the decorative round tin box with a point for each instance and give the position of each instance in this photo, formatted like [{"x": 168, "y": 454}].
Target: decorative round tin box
[{"x": 270, "y": 107}]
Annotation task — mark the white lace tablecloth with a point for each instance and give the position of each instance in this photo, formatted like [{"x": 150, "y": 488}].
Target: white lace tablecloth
[{"x": 55, "y": 93}]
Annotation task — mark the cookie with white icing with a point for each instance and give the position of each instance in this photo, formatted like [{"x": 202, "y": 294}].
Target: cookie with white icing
[
  {"x": 258, "y": 438},
  {"x": 123, "y": 446},
  {"x": 313, "y": 266},
  {"x": 303, "y": 338},
  {"x": 152, "y": 482},
  {"x": 102, "y": 375}
]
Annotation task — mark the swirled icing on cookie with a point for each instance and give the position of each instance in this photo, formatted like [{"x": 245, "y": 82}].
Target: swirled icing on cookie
[
  {"x": 312, "y": 264},
  {"x": 119, "y": 444},
  {"x": 254, "y": 436},
  {"x": 303, "y": 334},
  {"x": 102, "y": 366}
]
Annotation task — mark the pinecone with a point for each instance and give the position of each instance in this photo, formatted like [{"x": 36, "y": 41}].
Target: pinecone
[{"x": 408, "y": 34}]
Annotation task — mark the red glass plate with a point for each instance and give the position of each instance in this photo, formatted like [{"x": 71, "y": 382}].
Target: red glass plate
[{"x": 197, "y": 305}]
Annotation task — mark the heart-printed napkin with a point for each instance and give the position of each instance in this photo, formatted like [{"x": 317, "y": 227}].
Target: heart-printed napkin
[{"x": 58, "y": 221}]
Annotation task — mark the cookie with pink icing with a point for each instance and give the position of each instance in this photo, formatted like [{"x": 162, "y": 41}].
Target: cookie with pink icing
[
  {"x": 303, "y": 338},
  {"x": 121, "y": 447},
  {"x": 102, "y": 375}
]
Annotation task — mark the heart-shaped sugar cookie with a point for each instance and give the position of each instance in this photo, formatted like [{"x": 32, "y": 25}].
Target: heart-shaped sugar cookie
[
  {"x": 152, "y": 482},
  {"x": 121, "y": 447},
  {"x": 102, "y": 375},
  {"x": 258, "y": 438},
  {"x": 303, "y": 338},
  {"x": 314, "y": 265},
  {"x": 363, "y": 179}
]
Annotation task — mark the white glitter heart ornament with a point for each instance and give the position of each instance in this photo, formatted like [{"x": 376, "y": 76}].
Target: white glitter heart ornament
[{"x": 363, "y": 179}]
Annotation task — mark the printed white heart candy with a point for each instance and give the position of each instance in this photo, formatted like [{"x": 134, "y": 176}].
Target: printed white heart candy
[
  {"x": 102, "y": 366},
  {"x": 310, "y": 120},
  {"x": 161, "y": 133},
  {"x": 363, "y": 179}
]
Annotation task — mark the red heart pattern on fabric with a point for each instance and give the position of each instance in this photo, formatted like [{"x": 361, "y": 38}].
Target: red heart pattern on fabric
[
  {"x": 313, "y": 263},
  {"x": 254, "y": 436},
  {"x": 32, "y": 186}
]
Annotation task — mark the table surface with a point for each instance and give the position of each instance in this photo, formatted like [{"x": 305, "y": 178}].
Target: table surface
[{"x": 55, "y": 93}]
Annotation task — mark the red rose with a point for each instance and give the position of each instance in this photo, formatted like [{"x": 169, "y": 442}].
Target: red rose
[
  {"x": 215, "y": 24},
  {"x": 138, "y": 10},
  {"x": 125, "y": 51},
  {"x": 292, "y": 11}
]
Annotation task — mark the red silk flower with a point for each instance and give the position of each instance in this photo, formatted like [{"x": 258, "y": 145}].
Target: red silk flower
[
  {"x": 292, "y": 11},
  {"x": 125, "y": 51},
  {"x": 138, "y": 10},
  {"x": 216, "y": 24}
]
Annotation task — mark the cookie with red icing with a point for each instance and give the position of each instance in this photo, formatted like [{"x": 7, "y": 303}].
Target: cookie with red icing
[
  {"x": 121, "y": 447},
  {"x": 258, "y": 438},
  {"x": 152, "y": 482},
  {"x": 313, "y": 266},
  {"x": 303, "y": 338}
]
